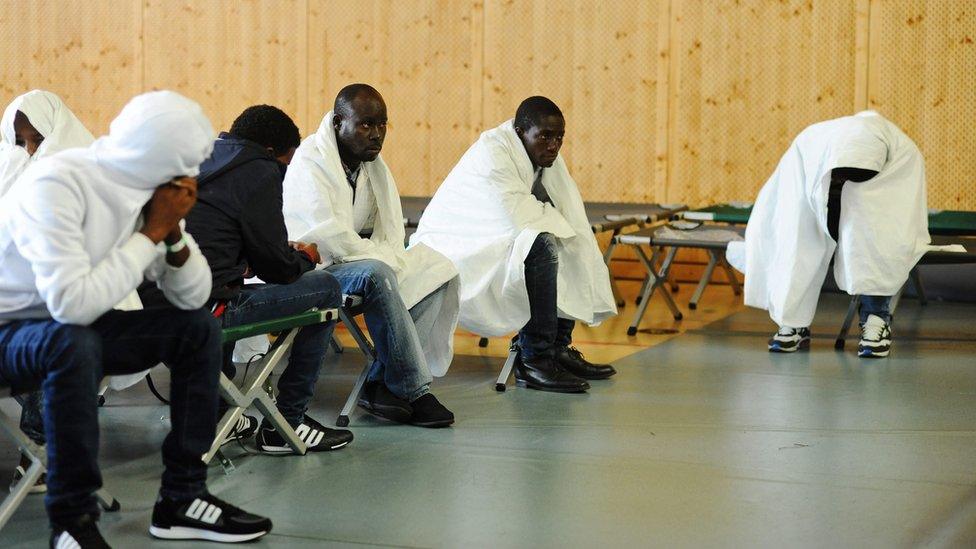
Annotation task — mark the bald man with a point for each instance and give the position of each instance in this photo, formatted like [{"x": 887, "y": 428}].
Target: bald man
[
  {"x": 340, "y": 196},
  {"x": 511, "y": 219}
]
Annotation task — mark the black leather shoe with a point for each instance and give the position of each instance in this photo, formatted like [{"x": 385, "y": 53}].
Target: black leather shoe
[
  {"x": 545, "y": 374},
  {"x": 429, "y": 412},
  {"x": 572, "y": 360},
  {"x": 377, "y": 399}
]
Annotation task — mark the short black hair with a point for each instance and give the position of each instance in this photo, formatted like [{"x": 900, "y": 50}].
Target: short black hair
[
  {"x": 348, "y": 94},
  {"x": 267, "y": 126},
  {"x": 533, "y": 110}
]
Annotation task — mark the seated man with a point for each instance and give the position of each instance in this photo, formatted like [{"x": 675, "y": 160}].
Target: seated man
[
  {"x": 35, "y": 125},
  {"x": 78, "y": 233},
  {"x": 511, "y": 219},
  {"x": 866, "y": 164},
  {"x": 237, "y": 222},
  {"x": 339, "y": 195}
]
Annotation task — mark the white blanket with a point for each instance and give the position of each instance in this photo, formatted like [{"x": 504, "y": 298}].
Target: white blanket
[
  {"x": 883, "y": 228},
  {"x": 485, "y": 219},
  {"x": 318, "y": 208}
]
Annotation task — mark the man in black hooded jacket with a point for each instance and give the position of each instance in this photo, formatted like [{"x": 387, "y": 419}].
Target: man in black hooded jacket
[{"x": 238, "y": 224}]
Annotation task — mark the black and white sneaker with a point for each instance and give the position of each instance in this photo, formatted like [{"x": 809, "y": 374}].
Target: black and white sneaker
[
  {"x": 82, "y": 533},
  {"x": 205, "y": 517},
  {"x": 245, "y": 429},
  {"x": 790, "y": 340},
  {"x": 875, "y": 338},
  {"x": 317, "y": 437}
]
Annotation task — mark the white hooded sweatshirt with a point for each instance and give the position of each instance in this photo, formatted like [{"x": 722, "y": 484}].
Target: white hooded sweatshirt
[
  {"x": 49, "y": 116},
  {"x": 883, "y": 229},
  {"x": 485, "y": 219},
  {"x": 318, "y": 208},
  {"x": 69, "y": 242}
]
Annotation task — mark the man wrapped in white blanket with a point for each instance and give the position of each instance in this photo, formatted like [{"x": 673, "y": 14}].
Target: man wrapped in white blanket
[
  {"x": 851, "y": 189},
  {"x": 339, "y": 195},
  {"x": 511, "y": 219}
]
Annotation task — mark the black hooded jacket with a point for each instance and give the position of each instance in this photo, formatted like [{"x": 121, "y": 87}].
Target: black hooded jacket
[{"x": 237, "y": 220}]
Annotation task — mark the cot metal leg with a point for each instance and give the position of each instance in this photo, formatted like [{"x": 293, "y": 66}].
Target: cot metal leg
[
  {"x": 483, "y": 342},
  {"x": 733, "y": 280},
  {"x": 640, "y": 294},
  {"x": 336, "y": 344},
  {"x": 254, "y": 393},
  {"x": 705, "y": 279},
  {"x": 916, "y": 279},
  {"x": 367, "y": 348},
  {"x": 502, "y": 380},
  {"x": 846, "y": 327},
  {"x": 607, "y": 256},
  {"x": 655, "y": 282}
]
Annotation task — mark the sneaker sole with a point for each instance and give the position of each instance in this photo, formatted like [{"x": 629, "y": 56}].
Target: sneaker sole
[
  {"x": 396, "y": 415},
  {"x": 283, "y": 450},
  {"x": 529, "y": 385},
  {"x": 871, "y": 353},
  {"x": 803, "y": 345},
  {"x": 186, "y": 533}
]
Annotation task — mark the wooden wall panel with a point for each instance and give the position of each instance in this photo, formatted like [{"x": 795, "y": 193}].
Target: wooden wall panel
[
  {"x": 86, "y": 51},
  {"x": 423, "y": 57},
  {"x": 923, "y": 78},
  {"x": 599, "y": 62},
  {"x": 747, "y": 76},
  {"x": 229, "y": 54}
]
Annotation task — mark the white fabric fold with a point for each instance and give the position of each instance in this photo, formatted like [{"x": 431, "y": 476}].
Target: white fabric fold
[
  {"x": 883, "y": 228},
  {"x": 485, "y": 219},
  {"x": 318, "y": 208}
]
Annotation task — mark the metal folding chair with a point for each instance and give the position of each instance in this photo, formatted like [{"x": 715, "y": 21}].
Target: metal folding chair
[
  {"x": 38, "y": 459},
  {"x": 258, "y": 390},
  {"x": 506, "y": 372}
]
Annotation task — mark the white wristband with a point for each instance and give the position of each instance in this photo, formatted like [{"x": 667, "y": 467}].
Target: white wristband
[{"x": 178, "y": 247}]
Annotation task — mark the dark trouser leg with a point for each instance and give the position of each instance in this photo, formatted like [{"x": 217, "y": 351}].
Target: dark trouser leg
[
  {"x": 189, "y": 342},
  {"x": 65, "y": 361},
  {"x": 317, "y": 289},
  {"x": 877, "y": 305},
  {"x": 538, "y": 337},
  {"x": 564, "y": 332},
  {"x": 833, "y": 208},
  {"x": 32, "y": 416}
]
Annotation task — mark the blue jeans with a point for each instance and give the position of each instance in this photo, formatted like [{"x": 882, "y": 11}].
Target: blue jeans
[
  {"x": 32, "y": 416},
  {"x": 258, "y": 302},
  {"x": 875, "y": 305},
  {"x": 399, "y": 335},
  {"x": 544, "y": 332},
  {"x": 69, "y": 361}
]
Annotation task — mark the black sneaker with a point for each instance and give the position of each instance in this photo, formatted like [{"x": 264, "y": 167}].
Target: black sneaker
[
  {"x": 39, "y": 487},
  {"x": 377, "y": 399},
  {"x": 875, "y": 338},
  {"x": 245, "y": 429},
  {"x": 317, "y": 437},
  {"x": 790, "y": 340},
  {"x": 81, "y": 534},
  {"x": 205, "y": 517},
  {"x": 429, "y": 412}
]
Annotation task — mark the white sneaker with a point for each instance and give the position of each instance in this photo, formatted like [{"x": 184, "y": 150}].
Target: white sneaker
[
  {"x": 790, "y": 340},
  {"x": 245, "y": 429},
  {"x": 875, "y": 338}
]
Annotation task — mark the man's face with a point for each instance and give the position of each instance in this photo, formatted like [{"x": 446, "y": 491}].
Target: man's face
[
  {"x": 27, "y": 135},
  {"x": 284, "y": 159},
  {"x": 362, "y": 128},
  {"x": 543, "y": 140}
]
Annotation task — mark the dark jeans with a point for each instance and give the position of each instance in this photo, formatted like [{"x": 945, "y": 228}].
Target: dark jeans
[
  {"x": 32, "y": 416},
  {"x": 258, "y": 302},
  {"x": 68, "y": 362},
  {"x": 870, "y": 304},
  {"x": 544, "y": 332}
]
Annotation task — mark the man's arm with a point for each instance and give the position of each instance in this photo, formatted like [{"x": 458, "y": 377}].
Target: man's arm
[
  {"x": 48, "y": 234},
  {"x": 186, "y": 284},
  {"x": 265, "y": 239}
]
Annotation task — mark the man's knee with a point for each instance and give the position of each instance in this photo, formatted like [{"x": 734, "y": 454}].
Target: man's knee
[
  {"x": 324, "y": 284},
  {"x": 381, "y": 277},
  {"x": 544, "y": 249},
  {"x": 199, "y": 326},
  {"x": 82, "y": 344}
]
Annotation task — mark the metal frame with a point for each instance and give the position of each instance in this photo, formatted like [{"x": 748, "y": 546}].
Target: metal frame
[
  {"x": 503, "y": 376},
  {"x": 352, "y": 307},
  {"x": 715, "y": 257},
  {"x": 654, "y": 281},
  {"x": 852, "y": 308}
]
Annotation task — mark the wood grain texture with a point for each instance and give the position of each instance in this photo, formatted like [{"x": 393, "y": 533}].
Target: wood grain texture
[
  {"x": 87, "y": 52},
  {"x": 923, "y": 77},
  {"x": 229, "y": 54}
]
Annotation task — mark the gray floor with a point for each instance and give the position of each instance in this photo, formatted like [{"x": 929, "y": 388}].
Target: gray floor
[{"x": 706, "y": 440}]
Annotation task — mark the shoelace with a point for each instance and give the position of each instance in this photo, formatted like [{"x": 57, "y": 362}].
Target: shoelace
[
  {"x": 575, "y": 353},
  {"x": 786, "y": 331},
  {"x": 872, "y": 332}
]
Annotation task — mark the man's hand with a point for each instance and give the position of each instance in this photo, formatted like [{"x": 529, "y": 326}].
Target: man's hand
[
  {"x": 311, "y": 250},
  {"x": 168, "y": 205}
]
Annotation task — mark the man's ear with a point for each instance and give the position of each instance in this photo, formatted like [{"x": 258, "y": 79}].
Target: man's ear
[
  {"x": 519, "y": 131},
  {"x": 336, "y": 120}
]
